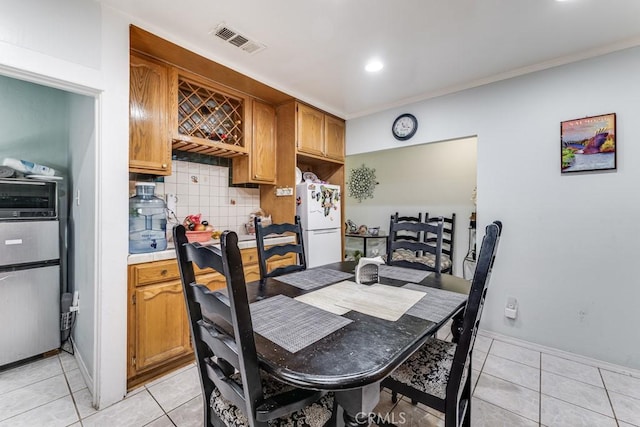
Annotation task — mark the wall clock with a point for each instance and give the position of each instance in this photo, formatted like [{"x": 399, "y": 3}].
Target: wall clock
[{"x": 404, "y": 126}]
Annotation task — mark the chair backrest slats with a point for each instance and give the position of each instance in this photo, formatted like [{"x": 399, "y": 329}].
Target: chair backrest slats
[
  {"x": 405, "y": 234},
  {"x": 223, "y": 346},
  {"x": 227, "y": 387},
  {"x": 474, "y": 306},
  {"x": 448, "y": 233},
  {"x": 214, "y": 303},
  {"x": 235, "y": 350},
  {"x": 264, "y": 254},
  {"x": 418, "y": 247}
]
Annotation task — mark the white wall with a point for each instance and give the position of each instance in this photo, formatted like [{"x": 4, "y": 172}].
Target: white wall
[
  {"x": 82, "y": 227},
  {"x": 83, "y": 47},
  {"x": 437, "y": 178},
  {"x": 570, "y": 241}
]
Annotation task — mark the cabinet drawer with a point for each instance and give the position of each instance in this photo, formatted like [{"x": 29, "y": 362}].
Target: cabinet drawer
[
  {"x": 249, "y": 256},
  {"x": 160, "y": 271}
]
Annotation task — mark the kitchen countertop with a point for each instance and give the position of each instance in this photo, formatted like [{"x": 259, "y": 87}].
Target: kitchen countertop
[{"x": 245, "y": 241}]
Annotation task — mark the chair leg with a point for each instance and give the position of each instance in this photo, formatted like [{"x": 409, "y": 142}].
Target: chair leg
[
  {"x": 467, "y": 416},
  {"x": 466, "y": 394},
  {"x": 394, "y": 396}
]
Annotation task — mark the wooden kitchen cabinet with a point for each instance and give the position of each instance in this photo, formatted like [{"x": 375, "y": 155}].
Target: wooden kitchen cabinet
[
  {"x": 149, "y": 140},
  {"x": 308, "y": 139},
  {"x": 334, "y": 138},
  {"x": 259, "y": 166},
  {"x": 310, "y": 130},
  {"x": 162, "y": 326},
  {"x": 208, "y": 118},
  {"x": 157, "y": 325},
  {"x": 319, "y": 134}
]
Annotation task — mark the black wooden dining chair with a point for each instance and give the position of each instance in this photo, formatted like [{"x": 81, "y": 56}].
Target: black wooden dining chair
[
  {"x": 405, "y": 235},
  {"x": 448, "y": 240},
  {"x": 439, "y": 373},
  {"x": 264, "y": 253},
  {"x": 406, "y": 253},
  {"x": 235, "y": 390}
]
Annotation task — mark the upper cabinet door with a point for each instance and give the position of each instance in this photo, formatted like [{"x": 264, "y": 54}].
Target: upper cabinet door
[
  {"x": 149, "y": 140},
  {"x": 263, "y": 142},
  {"x": 310, "y": 130},
  {"x": 334, "y": 138}
]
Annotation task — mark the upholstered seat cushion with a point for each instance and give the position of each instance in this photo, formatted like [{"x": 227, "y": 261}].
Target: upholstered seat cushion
[
  {"x": 428, "y": 259},
  {"x": 314, "y": 415},
  {"x": 428, "y": 368}
]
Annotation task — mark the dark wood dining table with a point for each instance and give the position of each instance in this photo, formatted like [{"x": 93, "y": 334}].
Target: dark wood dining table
[{"x": 354, "y": 359}]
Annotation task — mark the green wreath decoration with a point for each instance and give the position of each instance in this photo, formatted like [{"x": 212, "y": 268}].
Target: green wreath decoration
[{"x": 362, "y": 182}]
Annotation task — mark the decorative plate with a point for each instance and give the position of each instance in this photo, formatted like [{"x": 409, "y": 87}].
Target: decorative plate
[
  {"x": 310, "y": 177},
  {"x": 298, "y": 175}
]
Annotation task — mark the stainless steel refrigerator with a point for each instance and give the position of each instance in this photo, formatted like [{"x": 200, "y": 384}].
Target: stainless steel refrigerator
[{"x": 29, "y": 289}]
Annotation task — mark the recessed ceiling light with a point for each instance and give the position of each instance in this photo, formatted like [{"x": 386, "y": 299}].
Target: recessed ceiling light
[{"x": 374, "y": 65}]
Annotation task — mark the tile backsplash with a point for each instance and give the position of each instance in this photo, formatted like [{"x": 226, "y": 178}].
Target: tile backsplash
[{"x": 202, "y": 188}]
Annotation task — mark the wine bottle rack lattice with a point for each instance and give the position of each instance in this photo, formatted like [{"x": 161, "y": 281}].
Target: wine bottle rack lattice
[{"x": 210, "y": 115}]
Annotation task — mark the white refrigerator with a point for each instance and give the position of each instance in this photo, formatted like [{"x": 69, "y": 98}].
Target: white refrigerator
[{"x": 318, "y": 206}]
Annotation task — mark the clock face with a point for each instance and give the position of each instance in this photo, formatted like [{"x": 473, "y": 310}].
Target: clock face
[{"x": 404, "y": 127}]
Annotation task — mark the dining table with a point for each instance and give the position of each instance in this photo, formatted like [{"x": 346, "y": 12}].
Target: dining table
[{"x": 350, "y": 347}]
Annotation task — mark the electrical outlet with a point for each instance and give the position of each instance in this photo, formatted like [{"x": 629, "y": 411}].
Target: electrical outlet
[
  {"x": 285, "y": 191},
  {"x": 511, "y": 310}
]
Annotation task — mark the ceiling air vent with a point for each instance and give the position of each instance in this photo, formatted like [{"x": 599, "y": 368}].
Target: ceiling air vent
[{"x": 238, "y": 40}]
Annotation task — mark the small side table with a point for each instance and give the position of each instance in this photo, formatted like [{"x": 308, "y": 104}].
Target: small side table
[{"x": 367, "y": 244}]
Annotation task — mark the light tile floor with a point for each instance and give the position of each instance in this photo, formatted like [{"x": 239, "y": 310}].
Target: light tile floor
[{"x": 514, "y": 385}]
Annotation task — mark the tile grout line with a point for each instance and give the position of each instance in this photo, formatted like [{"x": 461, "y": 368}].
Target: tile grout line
[
  {"x": 159, "y": 405},
  {"x": 606, "y": 390},
  {"x": 506, "y": 410},
  {"x": 73, "y": 399},
  {"x": 540, "y": 392},
  {"x": 498, "y": 406}
]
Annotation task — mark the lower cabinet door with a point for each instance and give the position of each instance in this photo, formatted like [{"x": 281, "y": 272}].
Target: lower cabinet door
[
  {"x": 162, "y": 325},
  {"x": 213, "y": 281}
]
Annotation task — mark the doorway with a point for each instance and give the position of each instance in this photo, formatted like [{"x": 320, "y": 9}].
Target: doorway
[{"x": 56, "y": 128}]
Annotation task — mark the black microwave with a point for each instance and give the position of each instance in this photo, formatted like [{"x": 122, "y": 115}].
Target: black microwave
[{"x": 28, "y": 199}]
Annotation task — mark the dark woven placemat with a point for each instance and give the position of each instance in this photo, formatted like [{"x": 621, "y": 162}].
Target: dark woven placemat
[
  {"x": 436, "y": 304},
  {"x": 401, "y": 273},
  {"x": 292, "y": 324},
  {"x": 314, "y": 278}
]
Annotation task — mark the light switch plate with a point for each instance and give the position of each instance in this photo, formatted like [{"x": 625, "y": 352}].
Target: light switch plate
[{"x": 284, "y": 191}]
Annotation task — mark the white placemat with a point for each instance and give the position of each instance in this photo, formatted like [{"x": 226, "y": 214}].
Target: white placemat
[
  {"x": 382, "y": 301},
  {"x": 327, "y": 297}
]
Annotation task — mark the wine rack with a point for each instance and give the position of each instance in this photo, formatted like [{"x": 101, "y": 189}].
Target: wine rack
[{"x": 210, "y": 121}]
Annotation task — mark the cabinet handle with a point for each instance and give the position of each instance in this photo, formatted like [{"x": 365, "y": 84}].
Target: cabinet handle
[
  {"x": 164, "y": 166},
  {"x": 164, "y": 272}
]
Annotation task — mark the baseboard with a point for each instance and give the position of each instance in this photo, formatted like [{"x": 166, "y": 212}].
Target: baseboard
[
  {"x": 562, "y": 353},
  {"x": 83, "y": 367}
]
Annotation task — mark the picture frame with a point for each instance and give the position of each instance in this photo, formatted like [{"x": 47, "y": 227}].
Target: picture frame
[{"x": 588, "y": 144}]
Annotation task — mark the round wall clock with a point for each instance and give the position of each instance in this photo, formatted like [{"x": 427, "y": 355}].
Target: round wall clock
[{"x": 404, "y": 126}]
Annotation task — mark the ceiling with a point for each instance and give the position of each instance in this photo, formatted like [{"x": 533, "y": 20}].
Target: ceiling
[{"x": 316, "y": 49}]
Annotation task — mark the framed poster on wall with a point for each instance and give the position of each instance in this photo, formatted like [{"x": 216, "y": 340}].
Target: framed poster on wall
[{"x": 588, "y": 144}]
